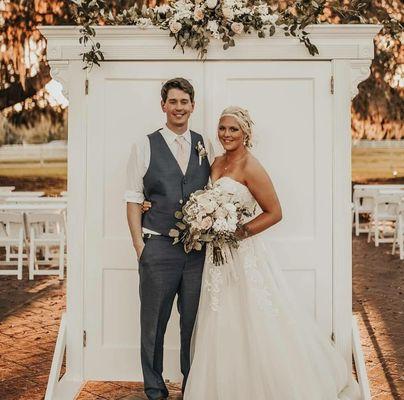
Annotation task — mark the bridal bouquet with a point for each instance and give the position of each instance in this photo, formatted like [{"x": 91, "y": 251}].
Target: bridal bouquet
[{"x": 210, "y": 216}]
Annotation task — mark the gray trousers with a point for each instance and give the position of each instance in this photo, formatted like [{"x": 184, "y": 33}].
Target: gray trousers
[{"x": 166, "y": 271}]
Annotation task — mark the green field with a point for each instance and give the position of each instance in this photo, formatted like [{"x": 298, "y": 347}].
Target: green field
[
  {"x": 367, "y": 164},
  {"x": 376, "y": 163}
]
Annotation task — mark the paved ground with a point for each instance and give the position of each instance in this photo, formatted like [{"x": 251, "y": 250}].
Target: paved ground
[{"x": 30, "y": 315}]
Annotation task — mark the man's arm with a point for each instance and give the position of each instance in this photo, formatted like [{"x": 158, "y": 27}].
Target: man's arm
[
  {"x": 134, "y": 195},
  {"x": 134, "y": 216}
]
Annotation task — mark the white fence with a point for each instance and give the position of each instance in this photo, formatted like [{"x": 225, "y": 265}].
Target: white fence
[
  {"x": 378, "y": 144},
  {"x": 52, "y": 151}
]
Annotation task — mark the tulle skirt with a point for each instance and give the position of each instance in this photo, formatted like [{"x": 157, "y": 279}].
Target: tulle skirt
[{"x": 252, "y": 341}]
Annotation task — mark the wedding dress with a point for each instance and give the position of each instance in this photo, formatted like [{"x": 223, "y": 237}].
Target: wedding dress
[{"x": 251, "y": 341}]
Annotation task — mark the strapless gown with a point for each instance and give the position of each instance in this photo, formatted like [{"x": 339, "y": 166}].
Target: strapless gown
[{"x": 251, "y": 339}]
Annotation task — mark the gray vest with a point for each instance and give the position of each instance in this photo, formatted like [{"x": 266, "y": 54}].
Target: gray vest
[{"x": 166, "y": 187}]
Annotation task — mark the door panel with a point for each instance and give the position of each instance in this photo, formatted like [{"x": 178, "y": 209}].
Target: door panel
[
  {"x": 123, "y": 105},
  {"x": 290, "y": 104}
]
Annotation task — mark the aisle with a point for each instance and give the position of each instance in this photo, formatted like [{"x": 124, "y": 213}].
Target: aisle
[{"x": 30, "y": 314}]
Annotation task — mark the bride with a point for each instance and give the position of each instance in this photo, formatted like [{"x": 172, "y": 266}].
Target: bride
[{"x": 251, "y": 340}]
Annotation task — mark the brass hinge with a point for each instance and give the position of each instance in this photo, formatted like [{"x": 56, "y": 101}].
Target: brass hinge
[
  {"x": 86, "y": 86},
  {"x": 332, "y": 85},
  {"x": 84, "y": 338},
  {"x": 333, "y": 336}
]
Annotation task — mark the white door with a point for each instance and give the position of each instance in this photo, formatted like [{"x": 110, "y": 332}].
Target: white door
[
  {"x": 291, "y": 106},
  {"x": 123, "y": 105}
]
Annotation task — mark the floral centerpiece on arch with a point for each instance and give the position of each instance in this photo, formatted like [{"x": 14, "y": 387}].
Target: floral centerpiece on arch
[{"x": 194, "y": 23}]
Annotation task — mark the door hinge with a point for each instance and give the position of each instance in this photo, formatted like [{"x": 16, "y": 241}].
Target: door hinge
[
  {"x": 84, "y": 338},
  {"x": 86, "y": 86},
  {"x": 333, "y": 336},
  {"x": 332, "y": 85}
]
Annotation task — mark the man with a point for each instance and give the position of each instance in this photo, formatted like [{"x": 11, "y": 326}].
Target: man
[{"x": 165, "y": 169}]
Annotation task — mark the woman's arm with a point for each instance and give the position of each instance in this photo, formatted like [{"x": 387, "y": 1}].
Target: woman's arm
[{"x": 260, "y": 185}]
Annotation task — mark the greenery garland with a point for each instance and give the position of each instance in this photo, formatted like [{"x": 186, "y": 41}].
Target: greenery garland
[{"x": 192, "y": 23}]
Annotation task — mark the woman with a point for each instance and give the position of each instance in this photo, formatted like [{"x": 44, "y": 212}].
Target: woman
[{"x": 250, "y": 340}]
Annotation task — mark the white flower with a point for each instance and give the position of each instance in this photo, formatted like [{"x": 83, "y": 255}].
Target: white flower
[
  {"x": 273, "y": 18},
  {"x": 163, "y": 9},
  {"x": 206, "y": 223},
  {"x": 262, "y": 9},
  {"x": 230, "y": 207},
  {"x": 175, "y": 26},
  {"x": 232, "y": 225},
  {"x": 144, "y": 23},
  {"x": 243, "y": 11},
  {"x": 269, "y": 18},
  {"x": 213, "y": 26},
  {"x": 237, "y": 27},
  {"x": 211, "y": 3},
  {"x": 220, "y": 225},
  {"x": 198, "y": 13},
  {"x": 182, "y": 10},
  {"x": 228, "y": 13}
]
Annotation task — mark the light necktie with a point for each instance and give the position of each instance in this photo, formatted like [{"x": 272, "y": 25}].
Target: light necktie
[{"x": 182, "y": 153}]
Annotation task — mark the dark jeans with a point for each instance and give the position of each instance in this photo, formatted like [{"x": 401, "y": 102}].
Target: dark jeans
[{"x": 165, "y": 271}]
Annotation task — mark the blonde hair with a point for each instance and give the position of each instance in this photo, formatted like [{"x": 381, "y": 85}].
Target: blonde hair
[{"x": 243, "y": 118}]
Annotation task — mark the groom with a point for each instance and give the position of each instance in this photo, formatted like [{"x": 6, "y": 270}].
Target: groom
[{"x": 165, "y": 168}]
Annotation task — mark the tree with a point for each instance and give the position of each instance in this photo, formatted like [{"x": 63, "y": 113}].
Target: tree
[{"x": 24, "y": 70}]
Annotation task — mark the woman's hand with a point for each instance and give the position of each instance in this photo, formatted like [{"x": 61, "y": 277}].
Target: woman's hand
[{"x": 146, "y": 206}]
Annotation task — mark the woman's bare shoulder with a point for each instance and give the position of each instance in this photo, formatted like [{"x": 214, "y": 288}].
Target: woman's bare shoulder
[{"x": 218, "y": 160}]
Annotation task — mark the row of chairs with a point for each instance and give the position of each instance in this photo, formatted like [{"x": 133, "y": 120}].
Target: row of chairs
[
  {"x": 29, "y": 232},
  {"x": 384, "y": 204}
]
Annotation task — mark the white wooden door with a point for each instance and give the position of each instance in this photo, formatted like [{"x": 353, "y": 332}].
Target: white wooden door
[
  {"x": 291, "y": 106},
  {"x": 290, "y": 103},
  {"x": 123, "y": 105}
]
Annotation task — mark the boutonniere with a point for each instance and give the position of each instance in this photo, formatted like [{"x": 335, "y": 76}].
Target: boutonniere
[{"x": 201, "y": 152}]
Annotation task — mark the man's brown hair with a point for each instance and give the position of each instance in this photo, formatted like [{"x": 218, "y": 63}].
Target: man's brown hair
[{"x": 178, "y": 83}]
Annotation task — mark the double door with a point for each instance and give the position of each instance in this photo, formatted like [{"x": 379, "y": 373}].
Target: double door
[{"x": 291, "y": 106}]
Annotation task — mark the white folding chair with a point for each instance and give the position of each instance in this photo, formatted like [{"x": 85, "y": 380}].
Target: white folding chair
[
  {"x": 46, "y": 229},
  {"x": 363, "y": 203},
  {"x": 12, "y": 234},
  {"x": 399, "y": 232},
  {"x": 384, "y": 210}
]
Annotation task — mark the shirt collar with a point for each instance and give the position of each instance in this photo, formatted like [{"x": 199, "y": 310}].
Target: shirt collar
[{"x": 170, "y": 136}]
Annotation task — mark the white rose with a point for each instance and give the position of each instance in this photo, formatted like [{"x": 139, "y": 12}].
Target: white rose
[
  {"x": 213, "y": 27},
  {"x": 243, "y": 11},
  {"x": 175, "y": 26},
  {"x": 237, "y": 27},
  {"x": 221, "y": 213},
  {"x": 273, "y": 18},
  {"x": 263, "y": 9},
  {"x": 143, "y": 23},
  {"x": 209, "y": 208},
  {"x": 228, "y": 13},
  {"x": 211, "y": 3},
  {"x": 230, "y": 207},
  {"x": 198, "y": 14},
  {"x": 163, "y": 9},
  {"x": 206, "y": 223}
]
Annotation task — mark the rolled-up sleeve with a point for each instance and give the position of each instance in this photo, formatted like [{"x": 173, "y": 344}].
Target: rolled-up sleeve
[{"x": 134, "y": 175}]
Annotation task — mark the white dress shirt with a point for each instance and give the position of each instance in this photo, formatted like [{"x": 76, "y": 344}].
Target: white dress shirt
[{"x": 139, "y": 161}]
